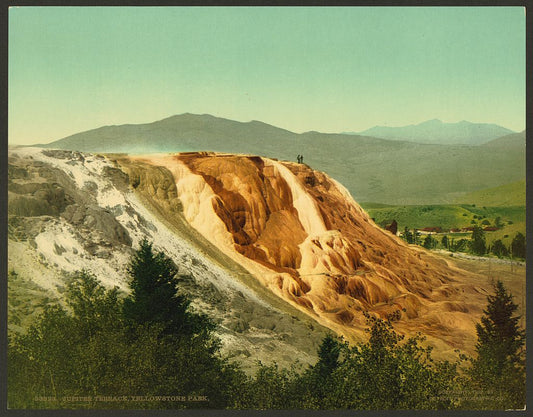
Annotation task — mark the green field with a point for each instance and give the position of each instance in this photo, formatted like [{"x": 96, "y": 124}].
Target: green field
[{"x": 513, "y": 219}]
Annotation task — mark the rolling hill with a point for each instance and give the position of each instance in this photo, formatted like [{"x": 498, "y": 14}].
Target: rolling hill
[
  {"x": 437, "y": 132},
  {"x": 377, "y": 170},
  {"x": 512, "y": 194},
  {"x": 185, "y": 132},
  {"x": 507, "y": 142},
  {"x": 447, "y": 216}
]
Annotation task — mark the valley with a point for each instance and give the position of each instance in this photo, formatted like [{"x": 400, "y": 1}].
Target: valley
[{"x": 500, "y": 222}]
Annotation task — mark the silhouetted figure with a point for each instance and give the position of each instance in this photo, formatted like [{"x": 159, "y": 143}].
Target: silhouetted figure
[
  {"x": 298, "y": 158},
  {"x": 301, "y": 159}
]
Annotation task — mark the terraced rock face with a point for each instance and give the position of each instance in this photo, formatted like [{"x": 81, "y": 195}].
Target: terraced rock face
[
  {"x": 70, "y": 211},
  {"x": 274, "y": 251},
  {"x": 306, "y": 240}
]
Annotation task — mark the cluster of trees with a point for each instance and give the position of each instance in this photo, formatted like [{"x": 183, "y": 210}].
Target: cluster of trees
[
  {"x": 151, "y": 350},
  {"x": 411, "y": 237},
  {"x": 476, "y": 245},
  {"x": 100, "y": 344}
]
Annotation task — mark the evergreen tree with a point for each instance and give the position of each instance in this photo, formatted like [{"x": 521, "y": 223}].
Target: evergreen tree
[
  {"x": 477, "y": 244},
  {"x": 444, "y": 241},
  {"x": 499, "y": 249},
  {"x": 87, "y": 350},
  {"x": 187, "y": 353},
  {"x": 498, "y": 368},
  {"x": 318, "y": 379},
  {"x": 93, "y": 307},
  {"x": 408, "y": 236},
  {"x": 518, "y": 246},
  {"x": 416, "y": 236},
  {"x": 77, "y": 351},
  {"x": 328, "y": 355},
  {"x": 270, "y": 389},
  {"x": 154, "y": 297},
  {"x": 459, "y": 245},
  {"x": 429, "y": 242}
]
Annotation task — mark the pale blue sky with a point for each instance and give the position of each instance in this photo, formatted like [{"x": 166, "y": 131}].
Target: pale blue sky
[{"x": 328, "y": 69}]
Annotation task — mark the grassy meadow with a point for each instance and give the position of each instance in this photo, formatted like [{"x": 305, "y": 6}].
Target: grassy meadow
[{"x": 449, "y": 216}]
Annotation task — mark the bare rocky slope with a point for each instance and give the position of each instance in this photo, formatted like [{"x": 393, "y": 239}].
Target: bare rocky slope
[
  {"x": 276, "y": 252},
  {"x": 70, "y": 211}
]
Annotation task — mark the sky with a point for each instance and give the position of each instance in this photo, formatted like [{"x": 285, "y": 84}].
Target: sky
[{"x": 327, "y": 69}]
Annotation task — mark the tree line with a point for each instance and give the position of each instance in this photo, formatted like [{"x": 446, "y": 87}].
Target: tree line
[
  {"x": 150, "y": 349},
  {"x": 476, "y": 245}
]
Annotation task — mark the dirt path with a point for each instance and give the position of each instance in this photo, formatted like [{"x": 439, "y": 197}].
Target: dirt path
[{"x": 480, "y": 258}]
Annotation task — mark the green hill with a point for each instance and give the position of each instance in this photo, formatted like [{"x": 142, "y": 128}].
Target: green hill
[
  {"x": 378, "y": 170},
  {"x": 443, "y": 216},
  {"x": 446, "y": 216},
  {"x": 512, "y": 219},
  {"x": 504, "y": 143},
  {"x": 507, "y": 234},
  {"x": 513, "y": 194}
]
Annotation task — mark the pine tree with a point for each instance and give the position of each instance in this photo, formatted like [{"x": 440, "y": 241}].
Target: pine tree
[
  {"x": 416, "y": 236},
  {"x": 155, "y": 299},
  {"x": 518, "y": 246},
  {"x": 498, "y": 368},
  {"x": 429, "y": 242},
  {"x": 498, "y": 222},
  {"x": 328, "y": 356},
  {"x": 499, "y": 249},
  {"x": 477, "y": 244},
  {"x": 408, "y": 236},
  {"x": 74, "y": 351}
]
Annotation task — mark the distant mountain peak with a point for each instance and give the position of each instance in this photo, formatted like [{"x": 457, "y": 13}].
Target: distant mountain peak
[
  {"x": 431, "y": 122},
  {"x": 188, "y": 116},
  {"x": 257, "y": 123},
  {"x": 437, "y": 131},
  {"x": 352, "y": 159}
]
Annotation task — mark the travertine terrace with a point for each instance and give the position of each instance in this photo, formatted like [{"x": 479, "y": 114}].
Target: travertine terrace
[{"x": 304, "y": 238}]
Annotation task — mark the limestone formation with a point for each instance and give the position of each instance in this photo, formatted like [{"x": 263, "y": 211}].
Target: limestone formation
[
  {"x": 304, "y": 238},
  {"x": 277, "y": 251}
]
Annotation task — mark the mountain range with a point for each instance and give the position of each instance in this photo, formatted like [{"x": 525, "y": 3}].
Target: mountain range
[
  {"x": 373, "y": 169},
  {"x": 437, "y": 132}
]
